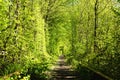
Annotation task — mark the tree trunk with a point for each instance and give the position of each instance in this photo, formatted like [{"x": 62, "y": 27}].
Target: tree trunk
[{"x": 95, "y": 25}]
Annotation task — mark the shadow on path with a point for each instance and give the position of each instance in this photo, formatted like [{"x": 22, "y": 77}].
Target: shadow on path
[{"x": 64, "y": 72}]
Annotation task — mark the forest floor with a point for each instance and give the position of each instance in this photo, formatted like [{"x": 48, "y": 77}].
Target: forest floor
[{"x": 62, "y": 71}]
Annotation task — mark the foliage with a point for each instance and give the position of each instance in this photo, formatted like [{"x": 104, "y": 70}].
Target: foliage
[
  {"x": 34, "y": 32},
  {"x": 22, "y": 36}
]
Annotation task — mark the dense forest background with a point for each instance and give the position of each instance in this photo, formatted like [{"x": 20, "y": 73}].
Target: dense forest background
[{"x": 34, "y": 32}]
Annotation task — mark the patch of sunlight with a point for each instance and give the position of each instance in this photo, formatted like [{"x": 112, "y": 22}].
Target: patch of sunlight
[
  {"x": 26, "y": 78},
  {"x": 52, "y": 67},
  {"x": 46, "y": 55}
]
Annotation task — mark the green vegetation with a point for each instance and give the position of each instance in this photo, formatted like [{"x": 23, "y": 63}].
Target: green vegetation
[{"x": 34, "y": 32}]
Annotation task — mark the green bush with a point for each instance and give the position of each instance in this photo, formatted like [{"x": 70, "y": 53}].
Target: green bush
[{"x": 37, "y": 71}]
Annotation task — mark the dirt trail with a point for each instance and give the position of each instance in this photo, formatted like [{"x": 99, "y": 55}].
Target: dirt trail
[{"x": 62, "y": 71}]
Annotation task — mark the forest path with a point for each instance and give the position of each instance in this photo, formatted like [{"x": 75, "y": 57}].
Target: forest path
[{"x": 62, "y": 71}]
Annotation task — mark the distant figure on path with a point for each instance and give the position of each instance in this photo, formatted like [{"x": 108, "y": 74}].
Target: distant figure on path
[{"x": 62, "y": 57}]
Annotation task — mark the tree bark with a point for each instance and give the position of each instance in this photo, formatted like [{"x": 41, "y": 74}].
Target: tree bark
[{"x": 95, "y": 25}]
